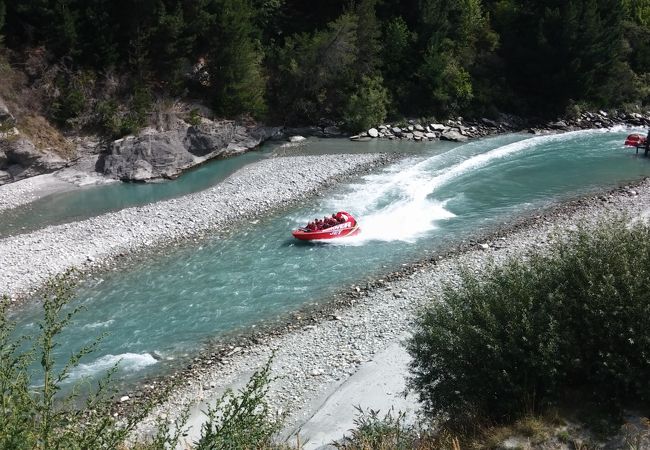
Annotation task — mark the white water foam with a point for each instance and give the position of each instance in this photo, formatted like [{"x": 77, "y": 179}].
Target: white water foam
[
  {"x": 396, "y": 204},
  {"x": 94, "y": 325},
  {"x": 127, "y": 362}
]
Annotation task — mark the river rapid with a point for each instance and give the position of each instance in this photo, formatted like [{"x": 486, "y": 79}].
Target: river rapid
[{"x": 164, "y": 310}]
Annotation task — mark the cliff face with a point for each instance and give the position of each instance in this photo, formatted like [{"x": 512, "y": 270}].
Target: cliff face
[
  {"x": 19, "y": 157},
  {"x": 166, "y": 154},
  {"x": 151, "y": 154}
]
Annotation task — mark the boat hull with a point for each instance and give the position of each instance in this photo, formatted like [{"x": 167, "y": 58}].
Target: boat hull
[
  {"x": 336, "y": 232},
  {"x": 635, "y": 140}
]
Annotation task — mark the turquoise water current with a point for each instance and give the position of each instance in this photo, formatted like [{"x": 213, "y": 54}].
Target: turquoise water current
[{"x": 164, "y": 310}]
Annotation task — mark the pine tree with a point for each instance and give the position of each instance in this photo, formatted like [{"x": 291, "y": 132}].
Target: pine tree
[
  {"x": 368, "y": 35},
  {"x": 235, "y": 62},
  {"x": 172, "y": 45},
  {"x": 97, "y": 28},
  {"x": 3, "y": 12}
]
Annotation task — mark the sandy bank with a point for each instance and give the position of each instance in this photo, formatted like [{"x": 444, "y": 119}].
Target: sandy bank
[
  {"x": 28, "y": 260},
  {"x": 335, "y": 358}
]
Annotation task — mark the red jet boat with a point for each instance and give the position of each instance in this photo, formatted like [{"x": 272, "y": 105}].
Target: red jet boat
[
  {"x": 347, "y": 227},
  {"x": 635, "y": 140}
]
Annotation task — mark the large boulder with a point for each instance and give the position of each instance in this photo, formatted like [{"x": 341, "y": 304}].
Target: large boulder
[
  {"x": 166, "y": 154},
  {"x": 333, "y": 131},
  {"x": 149, "y": 156},
  {"x": 453, "y": 135},
  {"x": 20, "y": 150},
  {"x": 209, "y": 136},
  {"x": 21, "y": 159}
]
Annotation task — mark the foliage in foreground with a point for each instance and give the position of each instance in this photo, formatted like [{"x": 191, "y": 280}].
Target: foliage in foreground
[
  {"x": 392, "y": 431},
  {"x": 34, "y": 414},
  {"x": 570, "y": 324}
]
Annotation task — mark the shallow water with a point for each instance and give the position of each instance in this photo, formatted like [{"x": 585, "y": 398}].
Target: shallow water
[
  {"x": 83, "y": 203},
  {"x": 169, "y": 306}
]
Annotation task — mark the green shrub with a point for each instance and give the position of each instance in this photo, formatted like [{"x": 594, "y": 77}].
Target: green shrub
[
  {"x": 108, "y": 119},
  {"x": 243, "y": 420},
  {"x": 194, "y": 117},
  {"x": 571, "y": 323},
  {"x": 367, "y": 106},
  {"x": 380, "y": 432}
]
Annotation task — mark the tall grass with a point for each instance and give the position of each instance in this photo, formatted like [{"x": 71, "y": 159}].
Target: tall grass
[{"x": 571, "y": 324}]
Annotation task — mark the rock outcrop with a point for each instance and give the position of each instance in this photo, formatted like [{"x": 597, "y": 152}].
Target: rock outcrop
[
  {"x": 166, "y": 154},
  {"x": 19, "y": 157}
]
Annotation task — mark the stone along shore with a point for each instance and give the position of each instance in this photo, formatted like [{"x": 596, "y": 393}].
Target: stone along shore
[
  {"x": 28, "y": 260},
  {"x": 350, "y": 354}
]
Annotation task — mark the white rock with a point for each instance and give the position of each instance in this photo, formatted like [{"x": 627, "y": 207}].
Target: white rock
[
  {"x": 373, "y": 132},
  {"x": 124, "y": 398},
  {"x": 297, "y": 139}
]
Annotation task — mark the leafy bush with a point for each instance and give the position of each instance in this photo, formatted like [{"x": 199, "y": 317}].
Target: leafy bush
[
  {"x": 377, "y": 432},
  {"x": 571, "y": 323},
  {"x": 241, "y": 421},
  {"x": 194, "y": 117},
  {"x": 393, "y": 432},
  {"x": 367, "y": 106}
]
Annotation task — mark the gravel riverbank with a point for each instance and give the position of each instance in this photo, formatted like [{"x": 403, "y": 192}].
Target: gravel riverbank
[
  {"x": 26, "y": 191},
  {"x": 322, "y": 352},
  {"x": 28, "y": 260}
]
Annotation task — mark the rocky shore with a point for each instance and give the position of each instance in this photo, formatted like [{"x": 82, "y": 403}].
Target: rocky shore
[
  {"x": 320, "y": 350},
  {"x": 27, "y": 260},
  {"x": 461, "y": 130}
]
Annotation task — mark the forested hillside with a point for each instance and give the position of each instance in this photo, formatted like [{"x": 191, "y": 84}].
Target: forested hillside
[{"x": 104, "y": 63}]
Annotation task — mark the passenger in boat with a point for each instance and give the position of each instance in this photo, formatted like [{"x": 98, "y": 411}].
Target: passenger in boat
[{"x": 311, "y": 226}]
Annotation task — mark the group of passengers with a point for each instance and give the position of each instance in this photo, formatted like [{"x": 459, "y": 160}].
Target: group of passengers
[{"x": 326, "y": 222}]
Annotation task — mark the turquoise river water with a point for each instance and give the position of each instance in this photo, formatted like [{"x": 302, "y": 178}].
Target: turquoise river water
[{"x": 165, "y": 309}]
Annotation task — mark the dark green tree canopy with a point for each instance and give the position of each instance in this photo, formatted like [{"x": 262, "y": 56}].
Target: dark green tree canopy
[{"x": 301, "y": 62}]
